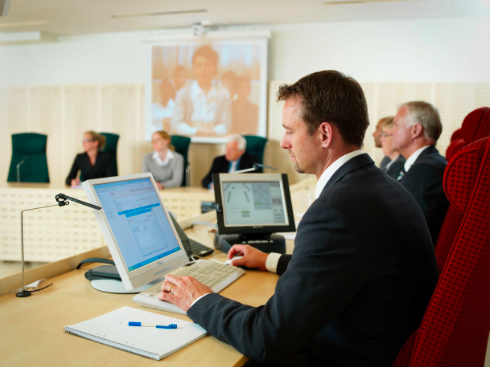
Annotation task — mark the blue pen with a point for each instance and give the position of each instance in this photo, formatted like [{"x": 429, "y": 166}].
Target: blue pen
[{"x": 141, "y": 324}]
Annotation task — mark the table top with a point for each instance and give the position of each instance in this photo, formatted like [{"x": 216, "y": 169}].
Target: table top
[{"x": 32, "y": 327}]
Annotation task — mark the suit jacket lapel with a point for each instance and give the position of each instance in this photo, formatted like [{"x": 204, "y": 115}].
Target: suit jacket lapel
[
  {"x": 351, "y": 165},
  {"x": 430, "y": 150}
]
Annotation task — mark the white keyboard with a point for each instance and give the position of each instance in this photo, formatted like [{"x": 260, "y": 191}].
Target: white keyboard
[{"x": 215, "y": 275}]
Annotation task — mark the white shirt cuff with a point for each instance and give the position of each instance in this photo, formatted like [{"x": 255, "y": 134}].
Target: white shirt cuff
[
  {"x": 272, "y": 261},
  {"x": 204, "y": 295}
]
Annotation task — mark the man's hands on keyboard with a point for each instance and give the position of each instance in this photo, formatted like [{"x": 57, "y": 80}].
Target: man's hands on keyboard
[{"x": 182, "y": 291}]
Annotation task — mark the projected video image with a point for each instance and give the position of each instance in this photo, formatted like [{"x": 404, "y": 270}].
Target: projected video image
[{"x": 208, "y": 90}]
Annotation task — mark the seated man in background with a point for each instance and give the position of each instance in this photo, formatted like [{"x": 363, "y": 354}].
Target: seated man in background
[
  {"x": 377, "y": 141},
  {"x": 363, "y": 268},
  {"x": 396, "y": 162},
  {"x": 416, "y": 128},
  {"x": 235, "y": 159}
]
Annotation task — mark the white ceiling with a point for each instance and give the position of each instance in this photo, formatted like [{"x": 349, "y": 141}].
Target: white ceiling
[{"x": 70, "y": 17}]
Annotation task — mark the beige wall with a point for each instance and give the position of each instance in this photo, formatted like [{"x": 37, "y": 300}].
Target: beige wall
[{"x": 64, "y": 112}]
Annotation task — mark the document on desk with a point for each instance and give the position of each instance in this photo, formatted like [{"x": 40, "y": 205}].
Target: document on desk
[{"x": 112, "y": 329}]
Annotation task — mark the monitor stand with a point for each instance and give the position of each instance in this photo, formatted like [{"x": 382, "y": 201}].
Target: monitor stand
[
  {"x": 264, "y": 242},
  {"x": 112, "y": 282}
]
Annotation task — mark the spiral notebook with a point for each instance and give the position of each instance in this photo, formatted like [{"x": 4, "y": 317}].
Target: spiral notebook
[{"x": 112, "y": 329}]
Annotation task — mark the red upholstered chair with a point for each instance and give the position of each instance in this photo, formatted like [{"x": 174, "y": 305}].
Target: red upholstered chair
[
  {"x": 456, "y": 135},
  {"x": 476, "y": 125},
  {"x": 456, "y": 325}
]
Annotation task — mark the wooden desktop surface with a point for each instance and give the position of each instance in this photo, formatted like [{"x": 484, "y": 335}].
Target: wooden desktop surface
[{"x": 32, "y": 327}]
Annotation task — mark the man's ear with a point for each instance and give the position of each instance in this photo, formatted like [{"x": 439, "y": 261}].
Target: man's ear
[
  {"x": 326, "y": 134},
  {"x": 417, "y": 130}
]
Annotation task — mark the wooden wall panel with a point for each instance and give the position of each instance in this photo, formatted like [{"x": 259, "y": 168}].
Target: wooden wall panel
[{"x": 64, "y": 113}]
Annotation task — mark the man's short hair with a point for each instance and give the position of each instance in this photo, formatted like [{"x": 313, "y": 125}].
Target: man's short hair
[
  {"x": 425, "y": 114},
  {"x": 331, "y": 96},
  {"x": 208, "y": 53},
  {"x": 242, "y": 143},
  {"x": 387, "y": 121}
]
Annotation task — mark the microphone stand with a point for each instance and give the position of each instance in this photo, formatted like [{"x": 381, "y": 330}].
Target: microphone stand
[
  {"x": 18, "y": 167},
  {"x": 61, "y": 200},
  {"x": 255, "y": 167}
]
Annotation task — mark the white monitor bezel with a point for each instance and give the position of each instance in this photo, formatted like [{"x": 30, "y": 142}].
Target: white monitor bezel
[{"x": 147, "y": 273}]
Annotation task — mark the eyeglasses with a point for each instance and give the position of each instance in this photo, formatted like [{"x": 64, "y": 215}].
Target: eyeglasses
[{"x": 88, "y": 140}]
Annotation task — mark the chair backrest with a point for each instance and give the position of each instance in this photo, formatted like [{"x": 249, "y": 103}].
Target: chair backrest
[
  {"x": 32, "y": 148},
  {"x": 256, "y": 146},
  {"x": 111, "y": 148},
  {"x": 455, "y": 328},
  {"x": 476, "y": 125},
  {"x": 456, "y": 135},
  {"x": 181, "y": 145}
]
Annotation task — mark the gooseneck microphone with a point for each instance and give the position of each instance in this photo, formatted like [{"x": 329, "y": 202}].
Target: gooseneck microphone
[
  {"x": 255, "y": 167},
  {"x": 61, "y": 200}
]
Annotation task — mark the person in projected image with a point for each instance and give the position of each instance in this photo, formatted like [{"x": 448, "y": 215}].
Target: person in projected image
[
  {"x": 179, "y": 78},
  {"x": 165, "y": 164},
  {"x": 93, "y": 163},
  {"x": 245, "y": 114},
  {"x": 229, "y": 81},
  {"x": 163, "y": 110},
  {"x": 203, "y": 108}
]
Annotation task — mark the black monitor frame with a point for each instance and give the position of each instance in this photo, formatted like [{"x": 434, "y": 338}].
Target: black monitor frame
[{"x": 252, "y": 229}]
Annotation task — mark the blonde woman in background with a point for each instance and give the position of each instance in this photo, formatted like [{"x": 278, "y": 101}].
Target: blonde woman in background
[
  {"x": 166, "y": 165},
  {"x": 93, "y": 163}
]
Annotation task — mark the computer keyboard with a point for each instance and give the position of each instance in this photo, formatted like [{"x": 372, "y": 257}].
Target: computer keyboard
[
  {"x": 215, "y": 275},
  {"x": 198, "y": 249}
]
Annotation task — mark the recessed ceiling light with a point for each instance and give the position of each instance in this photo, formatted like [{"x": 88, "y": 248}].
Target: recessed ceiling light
[
  {"x": 159, "y": 13},
  {"x": 23, "y": 24}
]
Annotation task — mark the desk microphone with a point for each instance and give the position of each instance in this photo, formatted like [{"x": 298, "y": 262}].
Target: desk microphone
[
  {"x": 20, "y": 164},
  {"x": 61, "y": 200},
  {"x": 255, "y": 167}
]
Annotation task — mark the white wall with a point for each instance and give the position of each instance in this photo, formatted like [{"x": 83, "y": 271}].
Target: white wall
[{"x": 452, "y": 50}]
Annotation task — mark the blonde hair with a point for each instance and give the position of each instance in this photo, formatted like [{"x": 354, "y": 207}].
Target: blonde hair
[
  {"x": 97, "y": 137},
  {"x": 165, "y": 135},
  {"x": 388, "y": 121}
]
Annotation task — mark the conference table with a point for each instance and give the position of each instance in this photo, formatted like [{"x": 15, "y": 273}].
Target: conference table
[{"x": 31, "y": 331}]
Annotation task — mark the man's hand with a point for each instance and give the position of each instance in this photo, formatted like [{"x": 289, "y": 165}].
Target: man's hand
[
  {"x": 182, "y": 291},
  {"x": 160, "y": 186},
  {"x": 75, "y": 182},
  {"x": 252, "y": 258}
]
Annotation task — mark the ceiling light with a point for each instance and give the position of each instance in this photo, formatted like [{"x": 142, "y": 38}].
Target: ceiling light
[
  {"x": 342, "y": 2},
  {"x": 23, "y": 24},
  {"x": 159, "y": 13}
]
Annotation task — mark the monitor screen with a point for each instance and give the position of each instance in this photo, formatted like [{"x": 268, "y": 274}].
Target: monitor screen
[
  {"x": 142, "y": 233},
  {"x": 253, "y": 203}
]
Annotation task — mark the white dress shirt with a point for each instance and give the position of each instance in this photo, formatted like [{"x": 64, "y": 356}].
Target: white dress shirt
[
  {"x": 167, "y": 159},
  {"x": 411, "y": 160}
]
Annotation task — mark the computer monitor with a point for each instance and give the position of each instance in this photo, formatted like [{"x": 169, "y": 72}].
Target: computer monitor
[
  {"x": 253, "y": 203},
  {"x": 137, "y": 228}
]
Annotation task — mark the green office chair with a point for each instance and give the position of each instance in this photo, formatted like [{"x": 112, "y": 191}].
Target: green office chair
[
  {"x": 29, "y": 162},
  {"x": 181, "y": 144},
  {"x": 256, "y": 146},
  {"x": 111, "y": 148}
]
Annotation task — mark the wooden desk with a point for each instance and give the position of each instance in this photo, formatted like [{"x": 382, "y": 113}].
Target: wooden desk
[{"x": 32, "y": 327}]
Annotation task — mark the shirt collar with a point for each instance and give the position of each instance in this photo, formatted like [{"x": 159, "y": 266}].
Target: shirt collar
[
  {"x": 196, "y": 90},
  {"x": 411, "y": 160},
  {"x": 328, "y": 173},
  {"x": 167, "y": 159}
]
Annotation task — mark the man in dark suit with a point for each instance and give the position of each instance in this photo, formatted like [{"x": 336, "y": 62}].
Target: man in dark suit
[
  {"x": 235, "y": 159},
  {"x": 416, "y": 128},
  {"x": 363, "y": 268}
]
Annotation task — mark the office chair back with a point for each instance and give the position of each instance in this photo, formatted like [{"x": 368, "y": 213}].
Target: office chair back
[
  {"x": 256, "y": 146},
  {"x": 455, "y": 328},
  {"x": 181, "y": 145},
  {"x": 110, "y": 148},
  {"x": 32, "y": 148}
]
